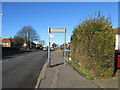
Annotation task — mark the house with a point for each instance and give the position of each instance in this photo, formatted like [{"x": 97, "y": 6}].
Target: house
[
  {"x": 33, "y": 45},
  {"x": 25, "y": 45},
  {"x": 7, "y": 42},
  {"x": 38, "y": 45},
  {"x": 117, "y": 36}
]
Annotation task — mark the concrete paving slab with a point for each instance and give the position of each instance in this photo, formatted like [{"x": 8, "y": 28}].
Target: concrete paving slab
[
  {"x": 63, "y": 76},
  {"x": 107, "y": 83},
  {"x": 55, "y": 78},
  {"x": 69, "y": 78}
]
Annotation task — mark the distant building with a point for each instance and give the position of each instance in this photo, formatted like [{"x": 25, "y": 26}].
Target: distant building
[
  {"x": 38, "y": 45},
  {"x": 33, "y": 45},
  {"x": 117, "y": 43},
  {"x": 25, "y": 44},
  {"x": 7, "y": 42}
]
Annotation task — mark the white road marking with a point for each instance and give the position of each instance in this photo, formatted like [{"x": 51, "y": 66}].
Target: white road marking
[
  {"x": 19, "y": 57},
  {"x": 29, "y": 54},
  {"x": 3, "y": 61}
]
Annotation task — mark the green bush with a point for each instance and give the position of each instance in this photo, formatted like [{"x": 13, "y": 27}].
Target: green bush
[{"x": 93, "y": 44}]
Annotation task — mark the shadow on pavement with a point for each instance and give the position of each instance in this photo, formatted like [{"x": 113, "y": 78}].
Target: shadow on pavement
[{"x": 56, "y": 64}]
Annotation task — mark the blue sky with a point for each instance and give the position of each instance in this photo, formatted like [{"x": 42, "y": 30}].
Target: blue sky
[{"x": 41, "y": 15}]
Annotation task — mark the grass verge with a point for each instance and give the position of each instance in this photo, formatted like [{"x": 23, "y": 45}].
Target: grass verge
[{"x": 83, "y": 71}]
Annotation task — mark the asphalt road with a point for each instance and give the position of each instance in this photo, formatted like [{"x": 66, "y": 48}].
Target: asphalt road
[{"x": 22, "y": 71}]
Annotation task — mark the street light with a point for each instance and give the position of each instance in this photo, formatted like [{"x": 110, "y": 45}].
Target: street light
[
  {"x": 0, "y": 50},
  {"x": 1, "y": 24},
  {"x": 2, "y": 14}
]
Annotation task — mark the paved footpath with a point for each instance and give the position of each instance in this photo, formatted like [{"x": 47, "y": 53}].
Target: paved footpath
[{"x": 63, "y": 76}]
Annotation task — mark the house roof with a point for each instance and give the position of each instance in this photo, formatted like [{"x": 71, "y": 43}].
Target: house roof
[
  {"x": 7, "y": 40},
  {"x": 38, "y": 44},
  {"x": 12, "y": 40},
  {"x": 117, "y": 30},
  {"x": 33, "y": 43}
]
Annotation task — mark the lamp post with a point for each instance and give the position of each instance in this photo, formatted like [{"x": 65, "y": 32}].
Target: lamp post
[
  {"x": 1, "y": 15},
  {"x": 0, "y": 46}
]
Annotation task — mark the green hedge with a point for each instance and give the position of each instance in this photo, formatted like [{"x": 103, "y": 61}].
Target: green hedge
[{"x": 93, "y": 44}]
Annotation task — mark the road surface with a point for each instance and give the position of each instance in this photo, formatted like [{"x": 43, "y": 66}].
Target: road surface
[{"x": 22, "y": 71}]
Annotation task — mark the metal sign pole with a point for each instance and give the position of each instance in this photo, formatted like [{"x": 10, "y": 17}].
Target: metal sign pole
[
  {"x": 49, "y": 47},
  {"x": 65, "y": 47},
  {"x": 56, "y": 30}
]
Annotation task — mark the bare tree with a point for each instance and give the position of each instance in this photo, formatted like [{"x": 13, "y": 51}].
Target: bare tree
[
  {"x": 28, "y": 34},
  {"x": 18, "y": 41}
]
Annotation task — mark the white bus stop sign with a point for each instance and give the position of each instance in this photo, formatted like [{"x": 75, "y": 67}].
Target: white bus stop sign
[
  {"x": 50, "y": 32},
  {"x": 51, "y": 35},
  {"x": 57, "y": 30}
]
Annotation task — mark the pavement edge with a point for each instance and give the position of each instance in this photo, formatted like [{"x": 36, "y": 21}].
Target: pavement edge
[
  {"x": 41, "y": 75},
  {"x": 55, "y": 78}
]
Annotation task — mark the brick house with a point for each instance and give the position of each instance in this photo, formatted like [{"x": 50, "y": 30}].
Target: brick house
[
  {"x": 38, "y": 45},
  {"x": 25, "y": 44},
  {"x": 33, "y": 45},
  {"x": 117, "y": 36},
  {"x": 7, "y": 42}
]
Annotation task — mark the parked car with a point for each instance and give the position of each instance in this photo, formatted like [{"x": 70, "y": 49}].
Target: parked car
[
  {"x": 52, "y": 49},
  {"x": 117, "y": 59},
  {"x": 45, "y": 49}
]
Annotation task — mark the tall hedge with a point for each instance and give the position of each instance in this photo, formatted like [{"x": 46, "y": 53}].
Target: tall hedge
[{"x": 93, "y": 45}]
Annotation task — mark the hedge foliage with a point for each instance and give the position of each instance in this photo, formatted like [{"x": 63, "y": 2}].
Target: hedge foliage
[{"x": 93, "y": 44}]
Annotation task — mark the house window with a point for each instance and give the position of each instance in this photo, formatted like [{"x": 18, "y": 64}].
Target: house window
[
  {"x": 7, "y": 43},
  {"x": 3, "y": 43}
]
